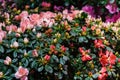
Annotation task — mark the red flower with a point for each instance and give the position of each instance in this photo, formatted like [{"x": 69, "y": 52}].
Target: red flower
[
  {"x": 108, "y": 58},
  {"x": 104, "y": 60},
  {"x": 47, "y": 57},
  {"x": 112, "y": 58},
  {"x": 63, "y": 48},
  {"x": 81, "y": 50},
  {"x": 52, "y": 48},
  {"x": 103, "y": 74},
  {"x": 86, "y": 57},
  {"x": 99, "y": 43},
  {"x": 84, "y": 29}
]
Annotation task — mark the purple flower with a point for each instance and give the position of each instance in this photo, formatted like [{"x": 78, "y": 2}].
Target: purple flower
[
  {"x": 112, "y": 8},
  {"x": 114, "y": 18},
  {"x": 89, "y": 9},
  {"x": 58, "y": 8}
]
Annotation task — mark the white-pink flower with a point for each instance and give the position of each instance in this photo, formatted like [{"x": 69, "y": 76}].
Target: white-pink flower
[
  {"x": 22, "y": 73},
  {"x": 7, "y": 61}
]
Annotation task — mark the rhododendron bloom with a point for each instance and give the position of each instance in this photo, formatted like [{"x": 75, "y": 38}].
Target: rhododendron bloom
[
  {"x": 35, "y": 53},
  {"x": 45, "y": 4},
  {"x": 21, "y": 73},
  {"x": 103, "y": 75},
  {"x": 112, "y": 58},
  {"x": 63, "y": 48},
  {"x": 112, "y": 8},
  {"x": 8, "y": 60},
  {"x": 1, "y": 74},
  {"x": 52, "y": 48},
  {"x": 47, "y": 57},
  {"x": 26, "y": 40},
  {"x": 104, "y": 60},
  {"x": 34, "y": 18},
  {"x": 89, "y": 9},
  {"x": 98, "y": 43},
  {"x": 11, "y": 28},
  {"x": 23, "y": 14},
  {"x": 81, "y": 50},
  {"x": 84, "y": 29},
  {"x": 38, "y": 35},
  {"x": 15, "y": 44},
  {"x": 86, "y": 57}
]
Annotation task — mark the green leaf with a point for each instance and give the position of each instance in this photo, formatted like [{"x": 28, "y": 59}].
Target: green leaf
[
  {"x": 95, "y": 75},
  {"x": 14, "y": 54},
  {"x": 62, "y": 61},
  {"x": 40, "y": 69},
  {"x": 1, "y": 49},
  {"x": 48, "y": 69},
  {"x": 55, "y": 58}
]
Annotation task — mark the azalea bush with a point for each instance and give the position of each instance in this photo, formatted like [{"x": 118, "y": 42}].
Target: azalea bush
[
  {"x": 59, "y": 46},
  {"x": 108, "y": 10}
]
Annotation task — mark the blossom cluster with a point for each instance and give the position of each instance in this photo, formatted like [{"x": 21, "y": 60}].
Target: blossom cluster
[{"x": 62, "y": 45}]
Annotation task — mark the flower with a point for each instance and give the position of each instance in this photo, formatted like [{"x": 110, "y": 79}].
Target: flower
[
  {"x": 112, "y": 8},
  {"x": 34, "y": 18},
  {"x": 63, "y": 48},
  {"x": 38, "y": 35},
  {"x": 11, "y": 28},
  {"x": 45, "y": 4},
  {"x": 98, "y": 43},
  {"x": 89, "y": 9},
  {"x": 104, "y": 60},
  {"x": 47, "y": 57},
  {"x": 103, "y": 74},
  {"x": 107, "y": 58},
  {"x": 7, "y": 61},
  {"x": 15, "y": 44},
  {"x": 26, "y": 40},
  {"x": 22, "y": 73},
  {"x": 35, "y": 53},
  {"x": 86, "y": 57},
  {"x": 1, "y": 74}
]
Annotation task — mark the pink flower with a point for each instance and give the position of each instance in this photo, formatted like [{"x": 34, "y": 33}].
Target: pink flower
[
  {"x": 24, "y": 78},
  {"x": 84, "y": 29},
  {"x": 35, "y": 53},
  {"x": 47, "y": 57},
  {"x": 63, "y": 48},
  {"x": 11, "y": 28},
  {"x": 15, "y": 44},
  {"x": 112, "y": 8},
  {"x": 23, "y": 14},
  {"x": 22, "y": 73},
  {"x": 25, "y": 24},
  {"x": 89, "y": 9},
  {"x": 26, "y": 40},
  {"x": 98, "y": 43},
  {"x": 45, "y": 4},
  {"x": 34, "y": 18},
  {"x": 7, "y": 61}
]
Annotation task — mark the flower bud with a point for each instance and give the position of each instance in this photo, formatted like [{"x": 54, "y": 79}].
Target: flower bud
[
  {"x": 19, "y": 30},
  {"x": 38, "y": 35},
  {"x": 7, "y": 61},
  {"x": 35, "y": 53},
  {"x": 17, "y": 35},
  {"x": 15, "y": 44},
  {"x": 26, "y": 40},
  {"x": 1, "y": 74},
  {"x": 47, "y": 57}
]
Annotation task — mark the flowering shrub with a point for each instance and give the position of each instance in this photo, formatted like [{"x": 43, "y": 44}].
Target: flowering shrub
[{"x": 68, "y": 45}]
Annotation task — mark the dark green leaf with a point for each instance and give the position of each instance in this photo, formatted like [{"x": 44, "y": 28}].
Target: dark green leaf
[
  {"x": 40, "y": 69},
  {"x": 48, "y": 69}
]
